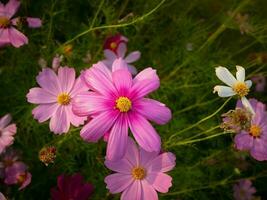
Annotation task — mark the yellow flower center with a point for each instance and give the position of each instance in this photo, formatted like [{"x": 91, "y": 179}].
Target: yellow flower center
[
  {"x": 255, "y": 131},
  {"x": 4, "y": 22},
  {"x": 138, "y": 173},
  {"x": 113, "y": 45},
  {"x": 63, "y": 99},
  {"x": 21, "y": 178},
  {"x": 241, "y": 89},
  {"x": 123, "y": 104}
]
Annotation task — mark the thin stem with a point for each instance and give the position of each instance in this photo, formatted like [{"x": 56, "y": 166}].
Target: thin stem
[{"x": 97, "y": 12}]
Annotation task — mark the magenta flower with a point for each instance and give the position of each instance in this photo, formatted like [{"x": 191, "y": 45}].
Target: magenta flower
[
  {"x": 139, "y": 174},
  {"x": 117, "y": 103},
  {"x": 254, "y": 139},
  {"x": 17, "y": 174},
  {"x": 7, "y": 132},
  {"x": 55, "y": 98},
  {"x": 260, "y": 82},
  {"x": 244, "y": 190},
  {"x": 115, "y": 47},
  {"x": 71, "y": 187},
  {"x": 8, "y": 33}
]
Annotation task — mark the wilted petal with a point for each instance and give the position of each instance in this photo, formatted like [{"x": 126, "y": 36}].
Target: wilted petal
[{"x": 223, "y": 91}]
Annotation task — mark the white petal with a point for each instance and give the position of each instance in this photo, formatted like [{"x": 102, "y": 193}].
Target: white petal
[
  {"x": 248, "y": 83},
  {"x": 225, "y": 76},
  {"x": 247, "y": 105},
  {"x": 223, "y": 91},
  {"x": 240, "y": 73}
]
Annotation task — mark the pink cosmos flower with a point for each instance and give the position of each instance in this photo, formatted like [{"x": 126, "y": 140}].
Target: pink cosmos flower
[
  {"x": 116, "y": 47},
  {"x": 254, "y": 139},
  {"x": 17, "y": 174},
  {"x": 260, "y": 82},
  {"x": 71, "y": 187},
  {"x": 244, "y": 190},
  {"x": 7, "y": 132},
  {"x": 117, "y": 102},
  {"x": 139, "y": 174},
  {"x": 55, "y": 98},
  {"x": 8, "y": 33}
]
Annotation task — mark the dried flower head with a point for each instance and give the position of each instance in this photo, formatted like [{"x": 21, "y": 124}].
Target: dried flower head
[{"x": 47, "y": 155}]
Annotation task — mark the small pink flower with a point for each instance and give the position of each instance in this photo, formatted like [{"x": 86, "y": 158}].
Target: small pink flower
[
  {"x": 115, "y": 47},
  {"x": 7, "y": 132},
  {"x": 71, "y": 187},
  {"x": 244, "y": 190},
  {"x": 260, "y": 82},
  {"x": 17, "y": 174},
  {"x": 139, "y": 174},
  {"x": 254, "y": 139},
  {"x": 8, "y": 33},
  {"x": 117, "y": 102},
  {"x": 55, "y": 98}
]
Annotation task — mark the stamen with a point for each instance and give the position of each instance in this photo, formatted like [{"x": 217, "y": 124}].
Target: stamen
[
  {"x": 113, "y": 45},
  {"x": 124, "y": 104},
  {"x": 4, "y": 22},
  {"x": 255, "y": 131},
  {"x": 63, "y": 99},
  {"x": 138, "y": 173},
  {"x": 241, "y": 89}
]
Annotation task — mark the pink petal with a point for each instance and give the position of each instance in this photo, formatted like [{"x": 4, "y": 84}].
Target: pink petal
[
  {"x": 121, "y": 49},
  {"x": 146, "y": 157},
  {"x": 123, "y": 81},
  {"x": 144, "y": 83},
  {"x": 144, "y": 133},
  {"x": 148, "y": 191},
  {"x": 4, "y": 36},
  {"x": 89, "y": 103},
  {"x": 5, "y": 120},
  {"x": 133, "y": 192},
  {"x": 27, "y": 181},
  {"x": 79, "y": 86},
  {"x": 117, "y": 142},
  {"x": 110, "y": 55},
  {"x": 133, "y": 56},
  {"x": 99, "y": 80},
  {"x": 11, "y": 129},
  {"x": 12, "y": 7},
  {"x": 34, "y": 22},
  {"x": 243, "y": 141},
  {"x": 44, "y": 111},
  {"x": 160, "y": 181},
  {"x": 118, "y": 182},
  {"x": 122, "y": 166},
  {"x": 48, "y": 80},
  {"x": 259, "y": 149},
  {"x": 60, "y": 122},
  {"x": 98, "y": 126},
  {"x": 162, "y": 163},
  {"x": 66, "y": 77},
  {"x": 132, "y": 153},
  {"x": 132, "y": 69},
  {"x": 17, "y": 39},
  {"x": 154, "y": 110},
  {"x": 118, "y": 64},
  {"x": 39, "y": 96},
  {"x": 74, "y": 119}
]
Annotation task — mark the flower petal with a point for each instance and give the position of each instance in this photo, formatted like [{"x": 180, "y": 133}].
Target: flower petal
[
  {"x": 247, "y": 105},
  {"x": 160, "y": 181},
  {"x": 66, "y": 77},
  {"x": 118, "y": 182},
  {"x": 146, "y": 157},
  {"x": 110, "y": 55},
  {"x": 153, "y": 110},
  {"x": 60, "y": 122},
  {"x": 122, "y": 48},
  {"x": 39, "y": 96},
  {"x": 79, "y": 86},
  {"x": 48, "y": 80},
  {"x": 240, "y": 73},
  {"x": 34, "y": 22},
  {"x": 17, "y": 39},
  {"x": 144, "y": 133},
  {"x": 259, "y": 149},
  {"x": 148, "y": 191},
  {"x": 4, "y": 36},
  {"x": 133, "y": 192},
  {"x": 117, "y": 142},
  {"x": 12, "y": 7},
  {"x": 133, "y": 56},
  {"x": 225, "y": 76},
  {"x": 118, "y": 64},
  {"x": 44, "y": 111},
  {"x": 122, "y": 80},
  {"x": 122, "y": 166},
  {"x": 243, "y": 141},
  {"x": 132, "y": 69},
  {"x": 162, "y": 163},
  {"x": 5, "y": 120},
  {"x": 132, "y": 153},
  {"x": 223, "y": 91},
  {"x": 74, "y": 119},
  {"x": 98, "y": 126},
  {"x": 248, "y": 83}
]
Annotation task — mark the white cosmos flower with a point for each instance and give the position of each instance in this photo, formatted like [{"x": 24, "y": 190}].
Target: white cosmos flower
[{"x": 235, "y": 86}]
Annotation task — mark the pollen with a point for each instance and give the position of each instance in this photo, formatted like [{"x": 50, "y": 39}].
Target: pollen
[
  {"x": 255, "y": 131},
  {"x": 63, "y": 99},
  {"x": 138, "y": 173},
  {"x": 21, "y": 178},
  {"x": 4, "y": 22},
  {"x": 123, "y": 104},
  {"x": 241, "y": 89},
  {"x": 113, "y": 45}
]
